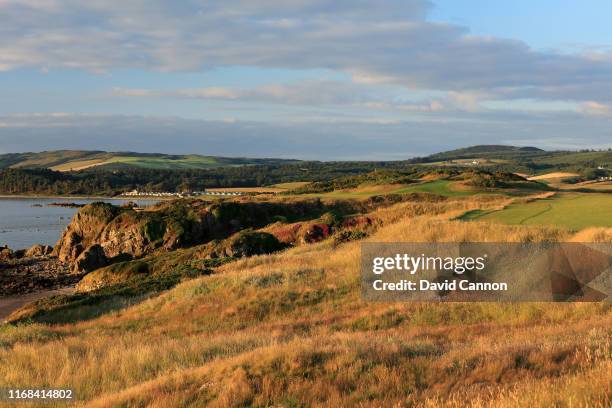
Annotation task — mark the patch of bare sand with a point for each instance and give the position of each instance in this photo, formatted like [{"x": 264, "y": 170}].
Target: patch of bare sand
[
  {"x": 379, "y": 188},
  {"x": 11, "y": 303}
]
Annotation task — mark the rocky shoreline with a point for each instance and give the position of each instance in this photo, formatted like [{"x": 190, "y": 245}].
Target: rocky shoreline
[{"x": 32, "y": 270}]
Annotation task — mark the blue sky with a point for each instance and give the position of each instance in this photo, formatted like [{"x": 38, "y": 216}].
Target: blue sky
[
  {"x": 543, "y": 24},
  {"x": 315, "y": 79}
]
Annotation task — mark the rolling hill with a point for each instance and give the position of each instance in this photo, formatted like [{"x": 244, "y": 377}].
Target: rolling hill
[
  {"x": 488, "y": 152},
  {"x": 74, "y": 160},
  {"x": 527, "y": 160}
]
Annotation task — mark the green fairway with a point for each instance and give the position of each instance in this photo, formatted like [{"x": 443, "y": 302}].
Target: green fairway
[
  {"x": 574, "y": 211},
  {"x": 441, "y": 187}
]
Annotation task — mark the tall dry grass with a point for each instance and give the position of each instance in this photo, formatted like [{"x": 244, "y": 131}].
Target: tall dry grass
[{"x": 290, "y": 329}]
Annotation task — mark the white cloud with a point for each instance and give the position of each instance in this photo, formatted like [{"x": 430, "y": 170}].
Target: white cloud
[
  {"x": 387, "y": 41},
  {"x": 596, "y": 109},
  {"x": 308, "y": 92}
]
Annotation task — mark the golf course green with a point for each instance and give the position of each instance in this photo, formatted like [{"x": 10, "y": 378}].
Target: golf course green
[{"x": 573, "y": 210}]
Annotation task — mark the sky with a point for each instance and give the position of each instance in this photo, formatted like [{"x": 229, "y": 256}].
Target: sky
[{"x": 310, "y": 79}]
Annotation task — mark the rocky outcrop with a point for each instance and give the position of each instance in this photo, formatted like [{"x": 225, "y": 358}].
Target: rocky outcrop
[
  {"x": 38, "y": 250},
  {"x": 90, "y": 259},
  {"x": 69, "y": 247},
  {"x": 84, "y": 230},
  {"x": 6, "y": 254},
  {"x": 123, "y": 231}
]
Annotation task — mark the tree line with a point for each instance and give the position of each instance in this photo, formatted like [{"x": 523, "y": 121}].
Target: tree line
[{"x": 100, "y": 181}]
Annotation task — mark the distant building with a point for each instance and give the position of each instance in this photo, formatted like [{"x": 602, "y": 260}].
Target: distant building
[{"x": 136, "y": 193}]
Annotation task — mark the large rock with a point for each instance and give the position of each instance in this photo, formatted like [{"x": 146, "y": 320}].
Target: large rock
[
  {"x": 172, "y": 225},
  {"x": 84, "y": 230},
  {"x": 91, "y": 259},
  {"x": 38, "y": 251},
  {"x": 6, "y": 254},
  {"x": 69, "y": 247}
]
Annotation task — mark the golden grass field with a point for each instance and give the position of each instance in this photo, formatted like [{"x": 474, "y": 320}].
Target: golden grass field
[
  {"x": 290, "y": 330},
  {"x": 555, "y": 175}
]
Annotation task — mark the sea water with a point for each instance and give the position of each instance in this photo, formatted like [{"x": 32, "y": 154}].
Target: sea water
[{"x": 28, "y": 221}]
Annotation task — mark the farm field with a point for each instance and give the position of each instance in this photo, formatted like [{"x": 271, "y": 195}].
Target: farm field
[
  {"x": 77, "y": 160},
  {"x": 571, "y": 210},
  {"x": 185, "y": 162}
]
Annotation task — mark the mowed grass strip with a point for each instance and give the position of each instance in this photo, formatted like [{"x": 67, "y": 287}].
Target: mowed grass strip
[
  {"x": 441, "y": 187},
  {"x": 573, "y": 211}
]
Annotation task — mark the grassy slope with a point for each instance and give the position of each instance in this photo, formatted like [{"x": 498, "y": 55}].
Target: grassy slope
[
  {"x": 514, "y": 157},
  {"x": 50, "y": 159},
  {"x": 441, "y": 187},
  {"x": 574, "y": 211},
  {"x": 290, "y": 186},
  {"x": 66, "y": 160},
  {"x": 185, "y": 162},
  {"x": 289, "y": 329}
]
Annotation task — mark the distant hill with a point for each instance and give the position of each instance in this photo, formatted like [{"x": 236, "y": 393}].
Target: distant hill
[
  {"x": 487, "y": 152},
  {"x": 74, "y": 160},
  {"x": 528, "y": 160}
]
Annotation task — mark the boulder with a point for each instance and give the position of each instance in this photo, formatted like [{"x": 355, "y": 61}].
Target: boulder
[
  {"x": 68, "y": 247},
  {"x": 91, "y": 259},
  {"x": 38, "y": 251},
  {"x": 6, "y": 254}
]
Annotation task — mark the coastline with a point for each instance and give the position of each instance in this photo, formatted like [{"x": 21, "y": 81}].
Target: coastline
[
  {"x": 9, "y": 304},
  {"x": 59, "y": 197}
]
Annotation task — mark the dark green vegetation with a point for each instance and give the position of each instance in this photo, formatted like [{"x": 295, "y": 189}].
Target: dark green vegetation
[
  {"x": 444, "y": 181},
  {"x": 99, "y": 181},
  {"x": 484, "y": 151},
  {"x": 529, "y": 160},
  {"x": 101, "y": 173},
  {"x": 371, "y": 178}
]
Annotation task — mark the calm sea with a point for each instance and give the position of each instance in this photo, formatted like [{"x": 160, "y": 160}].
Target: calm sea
[{"x": 28, "y": 221}]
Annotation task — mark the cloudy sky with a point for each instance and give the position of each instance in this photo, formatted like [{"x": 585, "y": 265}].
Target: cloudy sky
[{"x": 316, "y": 79}]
